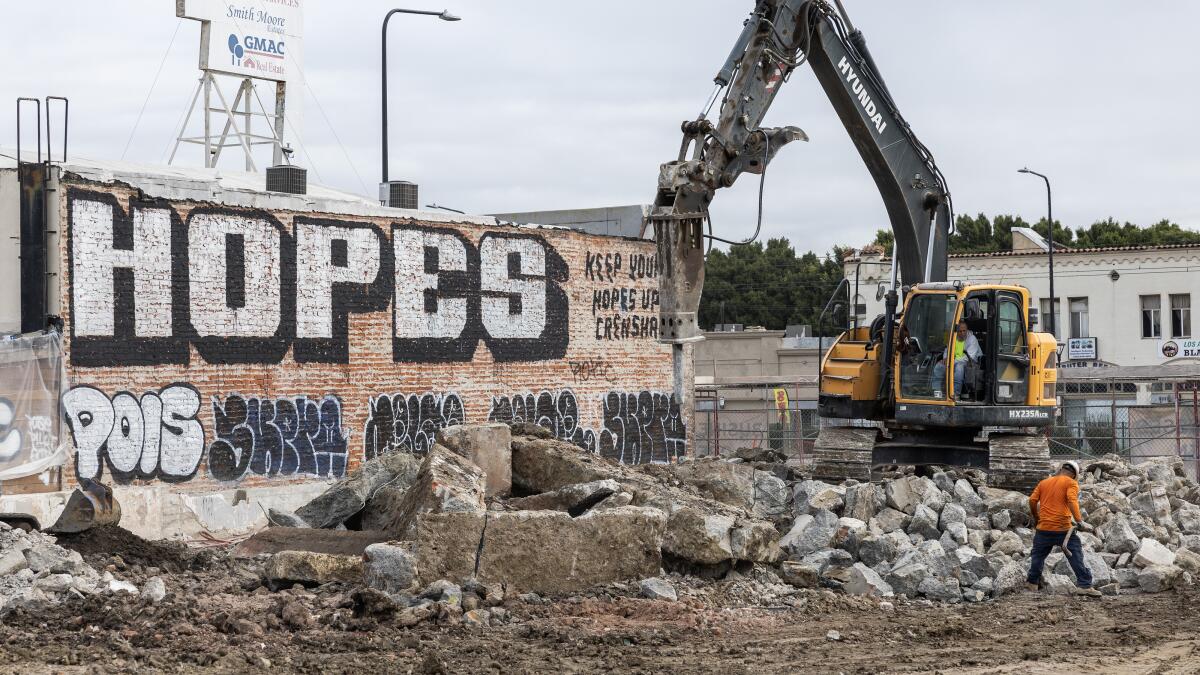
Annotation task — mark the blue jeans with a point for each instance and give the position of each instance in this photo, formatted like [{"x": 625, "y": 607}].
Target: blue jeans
[
  {"x": 1044, "y": 542},
  {"x": 939, "y": 376}
]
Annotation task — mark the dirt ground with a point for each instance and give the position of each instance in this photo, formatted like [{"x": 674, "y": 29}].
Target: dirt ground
[{"x": 218, "y": 618}]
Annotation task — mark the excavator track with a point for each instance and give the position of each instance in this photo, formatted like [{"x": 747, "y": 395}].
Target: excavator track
[
  {"x": 844, "y": 452},
  {"x": 1017, "y": 461}
]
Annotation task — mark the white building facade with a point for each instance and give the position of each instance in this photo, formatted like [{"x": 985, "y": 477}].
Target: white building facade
[{"x": 1119, "y": 306}]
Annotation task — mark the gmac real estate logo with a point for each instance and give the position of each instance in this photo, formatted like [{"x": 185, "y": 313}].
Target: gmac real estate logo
[{"x": 242, "y": 51}]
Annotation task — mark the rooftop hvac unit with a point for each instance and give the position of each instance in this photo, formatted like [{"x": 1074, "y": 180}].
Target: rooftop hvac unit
[
  {"x": 287, "y": 178},
  {"x": 399, "y": 194}
]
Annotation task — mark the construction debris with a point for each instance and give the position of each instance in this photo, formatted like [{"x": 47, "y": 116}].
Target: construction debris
[{"x": 35, "y": 572}]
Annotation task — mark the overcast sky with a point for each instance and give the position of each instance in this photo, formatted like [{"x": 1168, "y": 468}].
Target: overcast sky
[{"x": 528, "y": 105}]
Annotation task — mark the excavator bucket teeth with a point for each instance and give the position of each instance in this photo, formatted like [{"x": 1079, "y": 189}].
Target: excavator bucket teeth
[{"x": 91, "y": 504}]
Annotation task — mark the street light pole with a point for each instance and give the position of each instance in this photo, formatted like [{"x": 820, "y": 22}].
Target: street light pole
[
  {"x": 444, "y": 16},
  {"x": 1050, "y": 240}
]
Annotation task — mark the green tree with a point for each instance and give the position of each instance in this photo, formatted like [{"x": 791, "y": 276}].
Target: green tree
[{"x": 770, "y": 286}]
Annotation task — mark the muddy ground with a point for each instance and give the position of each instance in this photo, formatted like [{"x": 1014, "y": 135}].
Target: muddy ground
[{"x": 218, "y": 618}]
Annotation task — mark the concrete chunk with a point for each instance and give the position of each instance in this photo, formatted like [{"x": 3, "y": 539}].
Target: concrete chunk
[
  {"x": 550, "y": 552},
  {"x": 900, "y": 496},
  {"x": 1118, "y": 536},
  {"x": 1158, "y": 578},
  {"x": 488, "y": 446},
  {"x": 924, "y": 523},
  {"x": 574, "y": 499},
  {"x": 810, "y": 533},
  {"x": 312, "y": 569},
  {"x": 349, "y": 495},
  {"x": 1188, "y": 561},
  {"x": 1153, "y": 553},
  {"x": 865, "y": 581},
  {"x": 391, "y": 567},
  {"x": 658, "y": 589},
  {"x": 861, "y": 502},
  {"x": 446, "y": 483}
]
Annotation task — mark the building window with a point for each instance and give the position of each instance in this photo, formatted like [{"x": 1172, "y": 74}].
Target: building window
[
  {"x": 1044, "y": 316},
  {"x": 1181, "y": 315},
  {"x": 1079, "y": 318},
  {"x": 1151, "y": 316}
]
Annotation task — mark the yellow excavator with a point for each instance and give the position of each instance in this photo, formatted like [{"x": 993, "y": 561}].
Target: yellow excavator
[{"x": 950, "y": 373}]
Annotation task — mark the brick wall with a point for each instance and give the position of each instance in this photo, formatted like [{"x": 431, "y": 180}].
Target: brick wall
[{"x": 212, "y": 346}]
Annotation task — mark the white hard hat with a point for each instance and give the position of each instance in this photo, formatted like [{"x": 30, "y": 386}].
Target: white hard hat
[{"x": 1073, "y": 464}]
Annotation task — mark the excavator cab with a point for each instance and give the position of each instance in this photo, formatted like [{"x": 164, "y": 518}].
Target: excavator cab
[{"x": 971, "y": 385}]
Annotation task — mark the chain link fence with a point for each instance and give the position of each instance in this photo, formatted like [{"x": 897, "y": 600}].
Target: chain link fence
[
  {"x": 753, "y": 424},
  {"x": 1096, "y": 418},
  {"x": 1167, "y": 427}
]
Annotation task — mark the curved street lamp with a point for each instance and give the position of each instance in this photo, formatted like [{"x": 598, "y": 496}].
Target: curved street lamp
[
  {"x": 444, "y": 15},
  {"x": 1050, "y": 240}
]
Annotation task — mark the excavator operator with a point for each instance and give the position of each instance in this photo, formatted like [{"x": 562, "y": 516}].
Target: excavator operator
[{"x": 966, "y": 349}]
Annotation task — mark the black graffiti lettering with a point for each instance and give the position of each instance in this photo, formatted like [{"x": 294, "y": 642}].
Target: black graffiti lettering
[
  {"x": 115, "y": 258},
  {"x": 642, "y": 427},
  {"x": 642, "y": 266},
  {"x": 343, "y": 268},
  {"x": 556, "y": 411},
  {"x": 591, "y": 369},
  {"x": 399, "y": 423},
  {"x": 277, "y": 437},
  {"x": 146, "y": 285},
  {"x": 436, "y": 295}
]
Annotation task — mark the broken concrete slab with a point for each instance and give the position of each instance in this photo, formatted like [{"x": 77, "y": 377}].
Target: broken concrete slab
[
  {"x": 865, "y": 581},
  {"x": 349, "y": 495},
  {"x": 1153, "y": 553},
  {"x": 336, "y": 542},
  {"x": 574, "y": 499},
  {"x": 699, "y": 530},
  {"x": 446, "y": 483},
  {"x": 658, "y": 589},
  {"x": 1118, "y": 535},
  {"x": 391, "y": 566},
  {"x": 447, "y": 544},
  {"x": 488, "y": 446},
  {"x": 311, "y": 569},
  {"x": 726, "y": 482},
  {"x": 1158, "y": 578},
  {"x": 542, "y": 551},
  {"x": 281, "y": 518},
  {"x": 547, "y": 464}
]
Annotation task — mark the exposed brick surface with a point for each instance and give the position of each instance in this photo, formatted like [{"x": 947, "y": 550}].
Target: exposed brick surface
[{"x": 256, "y": 346}]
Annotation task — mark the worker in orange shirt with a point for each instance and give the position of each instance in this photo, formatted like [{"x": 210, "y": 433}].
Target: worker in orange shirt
[{"x": 1053, "y": 503}]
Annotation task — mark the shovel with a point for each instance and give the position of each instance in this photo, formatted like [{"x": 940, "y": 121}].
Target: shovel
[{"x": 91, "y": 504}]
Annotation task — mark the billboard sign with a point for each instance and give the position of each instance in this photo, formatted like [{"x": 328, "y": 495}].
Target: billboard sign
[{"x": 251, "y": 38}]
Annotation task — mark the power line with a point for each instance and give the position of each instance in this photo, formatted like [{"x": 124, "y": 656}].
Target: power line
[{"x": 153, "y": 83}]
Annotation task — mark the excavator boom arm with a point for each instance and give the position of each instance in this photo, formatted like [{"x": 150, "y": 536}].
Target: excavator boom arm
[{"x": 780, "y": 36}]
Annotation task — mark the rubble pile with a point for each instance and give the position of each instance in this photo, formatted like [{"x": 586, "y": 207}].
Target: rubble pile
[
  {"x": 948, "y": 537},
  {"x": 35, "y": 572},
  {"x": 561, "y": 521},
  {"x": 547, "y": 519}
]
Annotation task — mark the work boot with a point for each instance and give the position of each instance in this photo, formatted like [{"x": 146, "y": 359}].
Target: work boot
[
  {"x": 1031, "y": 587},
  {"x": 1089, "y": 592}
]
